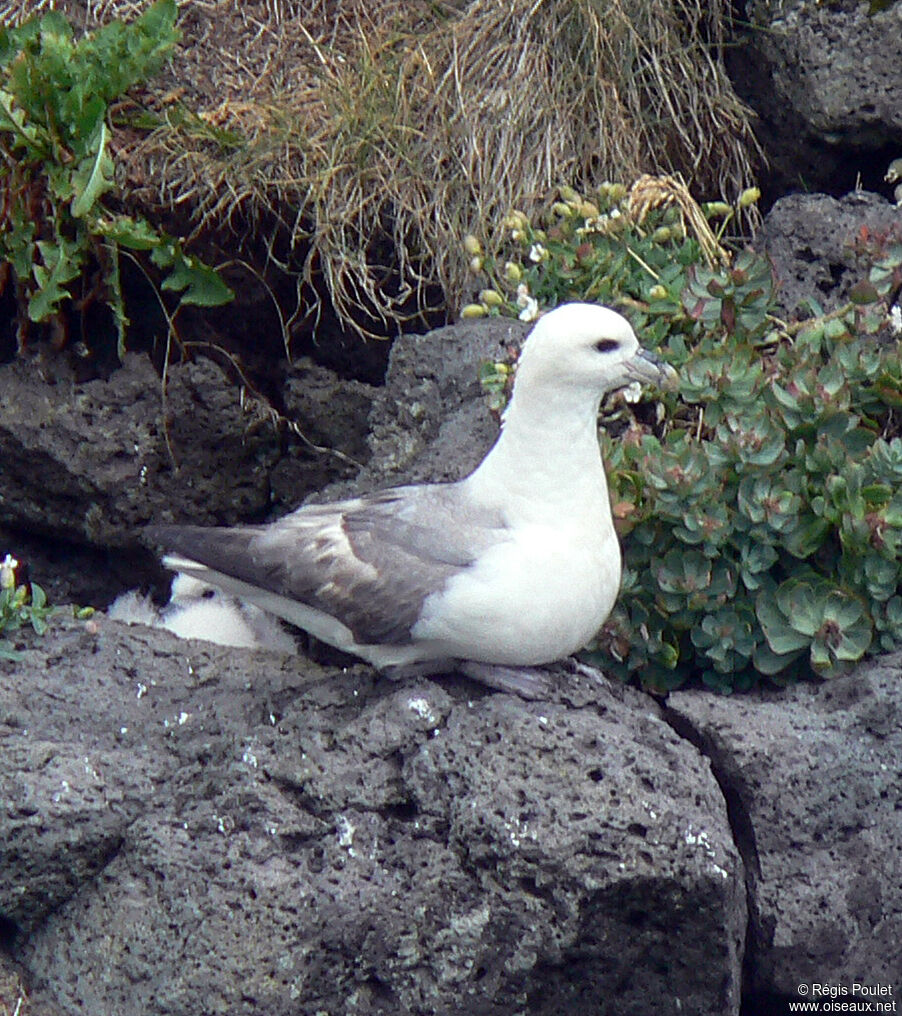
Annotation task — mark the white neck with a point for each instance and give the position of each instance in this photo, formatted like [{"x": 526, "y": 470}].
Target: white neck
[{"x": 546, "y": 459}]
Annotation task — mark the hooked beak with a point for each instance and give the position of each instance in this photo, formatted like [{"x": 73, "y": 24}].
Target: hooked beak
[{"x": 648, "y": 368}]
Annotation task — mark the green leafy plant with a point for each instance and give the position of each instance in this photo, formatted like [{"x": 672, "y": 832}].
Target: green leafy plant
[
  {"x": 761, "y": 505},
  {"x": 19, "y": 606},
  {"x": 58, "y": 214}
]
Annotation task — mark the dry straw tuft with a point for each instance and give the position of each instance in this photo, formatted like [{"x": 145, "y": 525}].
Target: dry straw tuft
[
  {"x": 650, "y": 192},
  {"x": 371, "y": 135}
]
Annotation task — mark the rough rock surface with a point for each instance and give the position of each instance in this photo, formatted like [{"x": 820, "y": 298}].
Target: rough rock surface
[
  {"x": 431, "y": 422},
  {"x": 13, "y": 998},
  {"x": 810, "y": 239},
  {"x": 194, "y": 830},
  {"x": 189, "y": 829},
  {"x": 826, "y": 81},
  {"x": 812, "y": 775},
  {"x": 90, "y": 463},
  {"x": 93, "y": 461}
]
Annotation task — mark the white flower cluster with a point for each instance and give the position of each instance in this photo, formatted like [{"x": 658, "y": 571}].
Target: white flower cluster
[
  {"x": 8, "y": 568},
  {"x": 598, "y": 223},
  {"x": 529, "y": 306}
]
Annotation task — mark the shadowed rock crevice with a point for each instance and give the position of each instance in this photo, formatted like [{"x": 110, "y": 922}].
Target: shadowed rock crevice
[
  {"x": 812, "y": 771},
  {"x": 734, "y": 793}
]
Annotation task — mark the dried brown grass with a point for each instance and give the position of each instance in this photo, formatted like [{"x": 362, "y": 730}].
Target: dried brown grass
[
  {"x": 376, "y": 133},
  {"x": 650, "y": 192}
]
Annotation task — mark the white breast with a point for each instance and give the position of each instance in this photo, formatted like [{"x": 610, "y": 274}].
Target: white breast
[{"x": 535, "y": 598}]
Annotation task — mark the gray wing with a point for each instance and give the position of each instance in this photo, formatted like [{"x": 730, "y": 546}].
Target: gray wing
[{"x": 369, "y": 562}]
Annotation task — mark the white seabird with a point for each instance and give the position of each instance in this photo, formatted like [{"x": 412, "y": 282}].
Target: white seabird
[
  {"x": 515, "y": 566},
  {"x": 197, "y": 610}
]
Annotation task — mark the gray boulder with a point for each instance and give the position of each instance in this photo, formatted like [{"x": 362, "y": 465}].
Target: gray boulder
[
  {"x": 811, "y": 775},
  {"x": 811, "y": 240},
  {"x": 825, "y": 80},
  {"x": 194, "y": 830},
  {"x": 91, "y": 463},
  {"x": 431, "y": 422}
]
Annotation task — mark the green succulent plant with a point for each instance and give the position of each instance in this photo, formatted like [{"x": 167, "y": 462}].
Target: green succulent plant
[{"x": 760, "y": 506}]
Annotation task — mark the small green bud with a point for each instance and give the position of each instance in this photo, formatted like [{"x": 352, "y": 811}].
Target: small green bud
[
  {"x": 512, "y": 271},
  {"x": 476, "y": 264},
  {"x": 516, "y": 219},
  {"x": 473, "y": 310},
  {"x": 617, "y": 192},
  {"x": 588, "y": 210},
  {"x": 662, "y": 234},
  {"x": 491, "y": 298},
  {"x": 749, "y": 197},
  {"x": 657, "y": 292},
  {"x": 569, "y": 194},
  {"x": 472, "y": 244},
  {"x": 560, "y": 208},
  {"x": 716, "y": 209}
]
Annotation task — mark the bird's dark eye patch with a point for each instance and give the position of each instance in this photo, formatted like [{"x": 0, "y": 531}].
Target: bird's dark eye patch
[{"x": 607, "y": 345}]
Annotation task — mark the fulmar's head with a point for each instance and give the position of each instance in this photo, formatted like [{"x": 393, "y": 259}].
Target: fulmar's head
[{"x": 581, "y": 346}]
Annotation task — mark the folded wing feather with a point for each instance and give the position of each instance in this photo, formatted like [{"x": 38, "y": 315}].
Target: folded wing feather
[{"x": 368, "y": 562}]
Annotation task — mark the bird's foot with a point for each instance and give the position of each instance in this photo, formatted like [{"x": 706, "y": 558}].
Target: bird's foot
[
  {"x": 594, "y": 675},
  {"x": 422, "y": 668},
  {"x": 527, "y": 682}
]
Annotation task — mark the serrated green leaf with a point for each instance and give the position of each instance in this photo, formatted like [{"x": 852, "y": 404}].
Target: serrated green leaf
[
  {"x": 61, "y": 263},
  {"x": 93, "y": 178},
  {"x": 201, "y": 284},
  {"x": 14, "y": 120},
  {"x": 135, "y": 234},
  {"x": 87, "y": 121}
]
